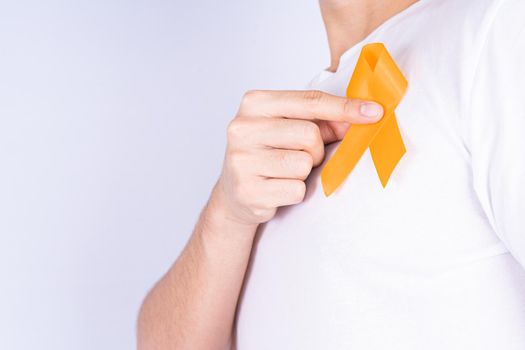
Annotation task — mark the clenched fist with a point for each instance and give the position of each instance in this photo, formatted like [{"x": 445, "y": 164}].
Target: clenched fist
[{"x": 274, "y": 142}]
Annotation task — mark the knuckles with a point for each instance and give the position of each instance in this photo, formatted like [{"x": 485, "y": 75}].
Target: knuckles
[
  {"x": 236, "y": 128},
  {"x": 313, "y": 97},
  {"x": 304, "y": 164},
  {"x": 298, "y": 162},
  {"x": 312, "y": 134},
  {"x": 348, "y": 107},
  {"x": 313, "y": 141},
  {"x": 237, "y": 162},
  {"x": 250, "y": 95},
  {"x": 284, "y": 160},
  {"x": 250, "y": 99},
  {"x": 296, "y": 192},
  {"x": 301, "y": 163}
]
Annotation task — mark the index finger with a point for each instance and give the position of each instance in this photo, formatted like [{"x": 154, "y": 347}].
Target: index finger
[{"x": 311, "y": 105}]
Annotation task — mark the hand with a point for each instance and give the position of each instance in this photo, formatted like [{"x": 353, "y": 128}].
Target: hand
[{"x": 274, "y": 142}]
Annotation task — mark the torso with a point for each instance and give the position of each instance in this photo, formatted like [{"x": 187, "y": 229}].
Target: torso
[{"x": 415, "y": 265}]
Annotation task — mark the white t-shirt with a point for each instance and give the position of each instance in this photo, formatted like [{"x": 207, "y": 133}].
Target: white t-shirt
[{"x": 436, "y": 259}]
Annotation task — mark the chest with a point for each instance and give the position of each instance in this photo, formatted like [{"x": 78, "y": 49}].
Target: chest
[{"x": 427, "y": 216}]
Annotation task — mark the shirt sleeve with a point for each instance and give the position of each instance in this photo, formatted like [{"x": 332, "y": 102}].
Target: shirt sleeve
[{"x": 496, "y": 126}]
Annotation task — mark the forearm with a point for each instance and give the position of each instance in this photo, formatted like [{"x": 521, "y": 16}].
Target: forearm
[{"x": 193, "y": 305}]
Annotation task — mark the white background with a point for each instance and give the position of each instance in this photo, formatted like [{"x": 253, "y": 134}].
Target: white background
[{"x": 112, "y": 118}]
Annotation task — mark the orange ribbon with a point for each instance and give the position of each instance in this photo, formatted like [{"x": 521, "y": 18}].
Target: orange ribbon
[{"x": 376, "y": 77}]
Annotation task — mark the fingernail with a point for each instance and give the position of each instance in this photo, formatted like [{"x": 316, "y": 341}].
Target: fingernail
[{"x": 371, "y": 110}]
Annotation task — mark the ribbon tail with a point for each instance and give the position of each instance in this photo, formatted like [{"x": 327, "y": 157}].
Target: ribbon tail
[{"x": 387, "y": 149}]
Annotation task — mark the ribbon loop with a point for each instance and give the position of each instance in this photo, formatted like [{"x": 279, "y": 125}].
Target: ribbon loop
[{"x": 376, "y": 77}]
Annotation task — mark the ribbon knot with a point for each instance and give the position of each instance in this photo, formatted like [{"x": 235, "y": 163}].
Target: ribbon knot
[{"x": 376, "y": 77}]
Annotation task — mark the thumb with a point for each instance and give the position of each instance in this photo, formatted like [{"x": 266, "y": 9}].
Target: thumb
[{"x": 332, "y": 131}]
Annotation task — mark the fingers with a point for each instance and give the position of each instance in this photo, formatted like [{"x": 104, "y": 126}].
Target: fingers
[
  {"x": 280, "y": 133},
  {"x": 284, "y": 164},
  {"x": 273, "y": 163},
  {"x": 310, "y": 105},
  {"x": 332, "y": 131},
  {"x": 278, "y": 177},
  {"x": 281, "y": 192},
  {"x": 257, "y": 182}
]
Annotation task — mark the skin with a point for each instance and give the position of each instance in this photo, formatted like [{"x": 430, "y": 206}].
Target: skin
[{"x": 274, "y": 141}]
